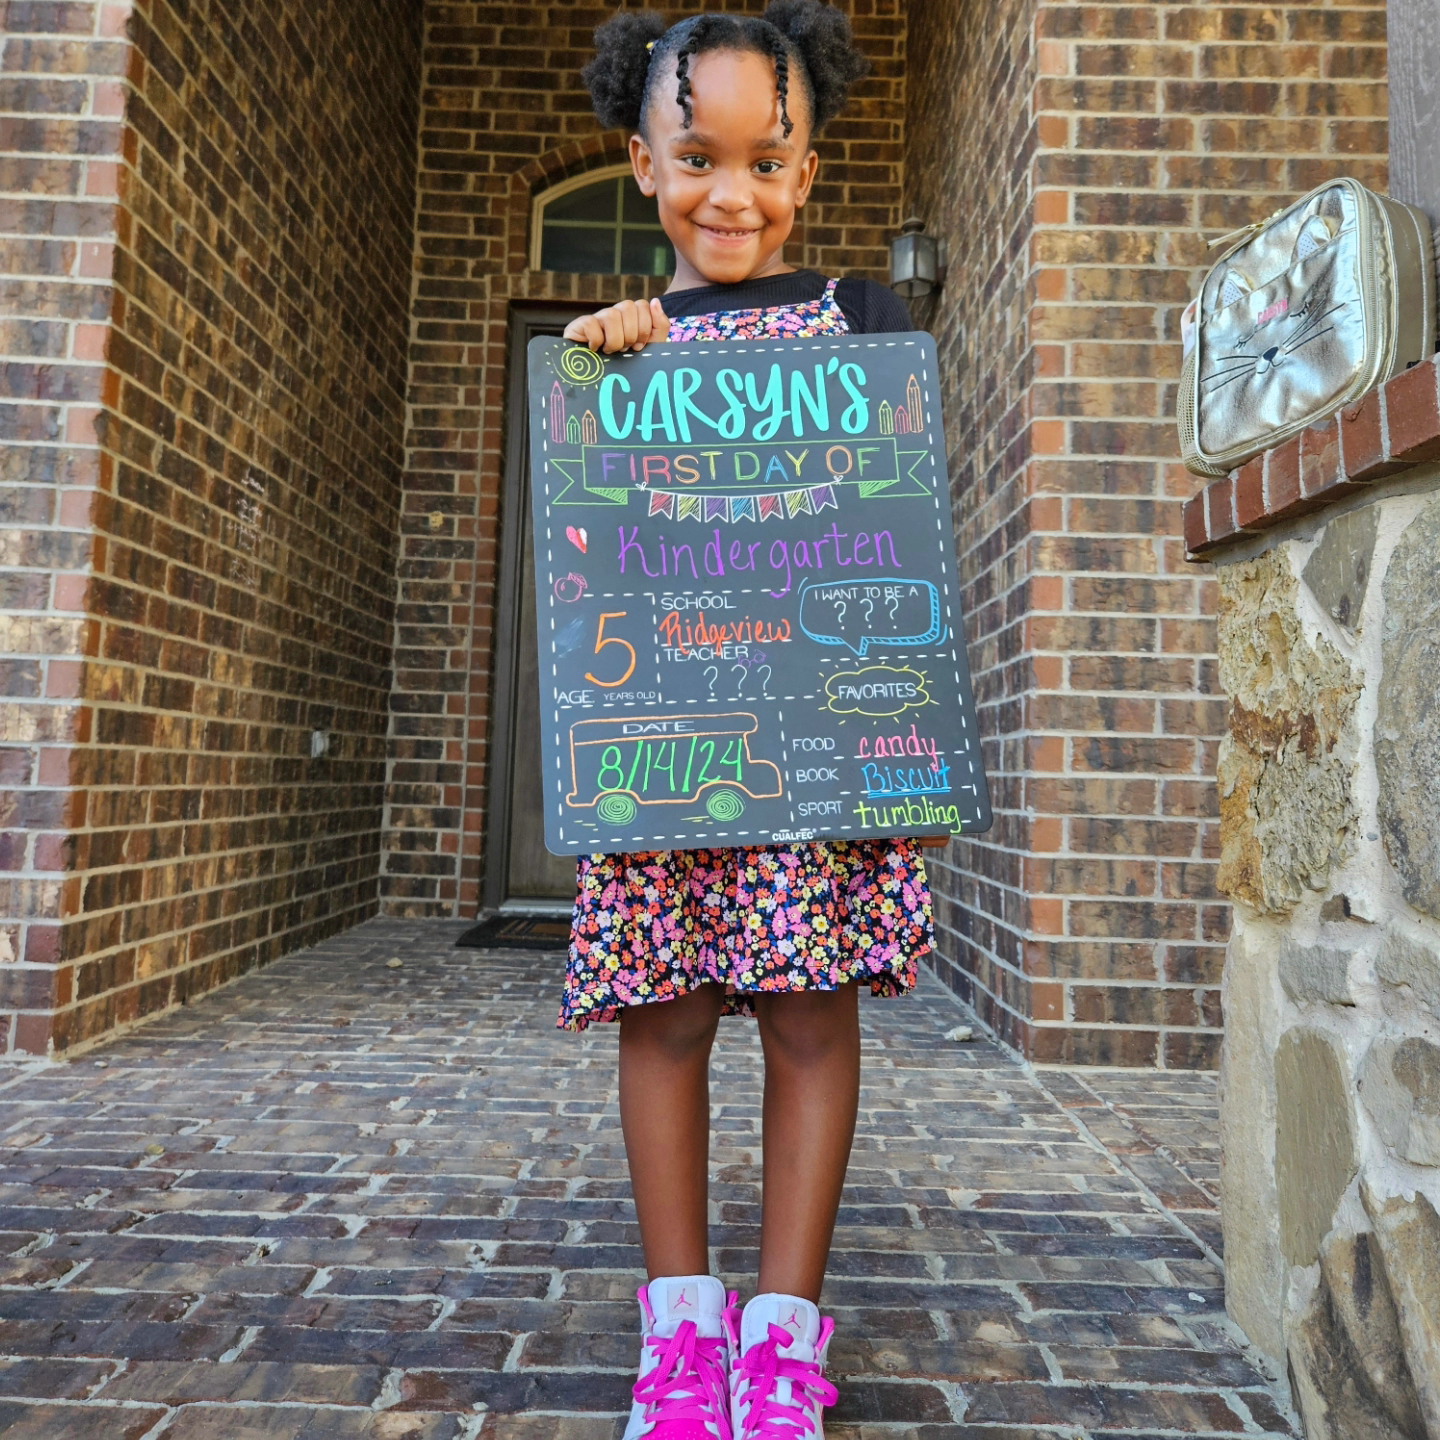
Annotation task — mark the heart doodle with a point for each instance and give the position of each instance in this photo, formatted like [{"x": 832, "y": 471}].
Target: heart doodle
[{"x": 578, "y": 538}]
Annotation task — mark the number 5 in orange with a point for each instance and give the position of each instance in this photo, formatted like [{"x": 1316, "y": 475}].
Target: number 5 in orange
[{"x": 601, "y": 641}]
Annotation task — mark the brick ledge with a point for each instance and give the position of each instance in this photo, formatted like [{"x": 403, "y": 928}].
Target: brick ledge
[{"x": 1388, "y": 430}]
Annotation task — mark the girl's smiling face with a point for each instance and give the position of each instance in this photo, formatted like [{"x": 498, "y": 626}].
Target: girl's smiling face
[{"x": 728, "y": 186}]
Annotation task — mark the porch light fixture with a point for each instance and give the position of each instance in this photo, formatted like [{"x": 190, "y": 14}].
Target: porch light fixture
[{"x": 914, "y": 260}]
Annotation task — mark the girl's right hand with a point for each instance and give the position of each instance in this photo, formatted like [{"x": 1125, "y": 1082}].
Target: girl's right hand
[{"x": 630, "y": 325}]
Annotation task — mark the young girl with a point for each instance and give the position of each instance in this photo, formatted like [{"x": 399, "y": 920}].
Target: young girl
[{"x": 724, "y": 109}]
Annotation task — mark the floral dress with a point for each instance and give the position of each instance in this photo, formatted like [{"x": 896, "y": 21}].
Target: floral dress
[{"x": 757, "y": 920}]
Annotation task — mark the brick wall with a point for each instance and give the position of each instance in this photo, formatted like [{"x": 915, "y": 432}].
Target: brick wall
[
  {"x": 240, "y": 421},
  {"x": 61, "y": 98},
  {"x": 503, "y": 116},
  {"x": 970, "y": 143},
  {"x": 1087, "y": 924},
  {"x": 213, "y": 465}
]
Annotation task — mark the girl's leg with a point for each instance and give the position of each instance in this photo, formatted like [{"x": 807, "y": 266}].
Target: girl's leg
[
  {"x": 665, "y": 1113},
  {"x": 812, "y": 1091}
]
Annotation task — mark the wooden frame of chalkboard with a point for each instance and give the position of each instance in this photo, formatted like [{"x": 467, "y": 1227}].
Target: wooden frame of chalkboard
[{"x": 721, "y": 664}]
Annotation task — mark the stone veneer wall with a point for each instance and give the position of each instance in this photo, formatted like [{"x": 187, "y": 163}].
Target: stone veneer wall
[
  {"x": 1329, "y": 781},
  {"x": 1074, "y": 158},
  {"x": 505, "y": 115},
  {"x": 209, "y": 484}
]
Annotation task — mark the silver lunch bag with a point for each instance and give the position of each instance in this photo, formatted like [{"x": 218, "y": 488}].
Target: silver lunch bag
[{"x": 1328, "y": 298}]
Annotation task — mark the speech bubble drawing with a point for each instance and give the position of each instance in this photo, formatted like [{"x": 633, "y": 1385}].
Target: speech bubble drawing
[
  {"x": 878, "y": 690},
  {"x": 862, "y": 614}
]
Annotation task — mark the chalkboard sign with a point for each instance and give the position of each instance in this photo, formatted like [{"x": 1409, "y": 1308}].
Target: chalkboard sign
[{"x": 750, "y": 627}]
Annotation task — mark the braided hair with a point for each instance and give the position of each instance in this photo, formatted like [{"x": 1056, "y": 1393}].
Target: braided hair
[{"x": 804, "y": 38}]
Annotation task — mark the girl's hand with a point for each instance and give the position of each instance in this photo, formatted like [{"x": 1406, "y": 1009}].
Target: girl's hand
[
  {"x": 932, "y": 842},
  {"x": 630, "y": 325}
]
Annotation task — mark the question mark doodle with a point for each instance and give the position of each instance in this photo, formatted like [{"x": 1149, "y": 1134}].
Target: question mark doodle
[
  {"x": 869, "y": 609},
  {"x": 893, "y": 604},
  {"x": 840, "y": 609}
]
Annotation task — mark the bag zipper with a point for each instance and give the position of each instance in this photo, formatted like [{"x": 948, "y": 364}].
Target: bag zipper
[{"x": 1245, "y": 231}]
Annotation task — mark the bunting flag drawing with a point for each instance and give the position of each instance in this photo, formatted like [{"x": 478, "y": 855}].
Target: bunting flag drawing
[{"x": 809, "y": 500}]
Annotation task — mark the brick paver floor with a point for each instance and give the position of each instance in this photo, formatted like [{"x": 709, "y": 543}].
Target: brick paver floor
[{"x": 343, "y": 1199}]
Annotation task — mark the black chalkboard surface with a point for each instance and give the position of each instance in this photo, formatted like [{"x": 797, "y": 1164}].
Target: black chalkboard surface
[{"x": 750, "y": 626}]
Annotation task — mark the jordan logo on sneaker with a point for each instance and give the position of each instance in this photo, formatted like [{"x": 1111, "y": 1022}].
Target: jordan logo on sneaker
[
  {"x": 681, "y": 1300},
  {"x": 794, "y": 1324}
]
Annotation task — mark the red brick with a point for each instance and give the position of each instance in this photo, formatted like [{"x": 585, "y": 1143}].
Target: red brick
[
  {"x": 1284, "y": 495},
  {"x": 1098, "y": 1045},
  {"x": 1362, "y": 439},
  {"x": 1321, "y": 465},
  {"x": 1412, "y": 411},
  {"x": 42, "y": 944},
  {"x": 1250, "y": 494},
  {"x": 1197, "y": 534},
  {"x": 1047, "y": 1002},
  {"x": 1220, "y": 510},
  {"x": 1322, "y": 475},
  {"x": 32, "y": 1034}
]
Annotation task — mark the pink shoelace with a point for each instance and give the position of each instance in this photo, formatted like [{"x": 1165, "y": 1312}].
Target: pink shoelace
[
  {"x": 766, "y": 1416},
  {"x": 687, "y": 1387}
]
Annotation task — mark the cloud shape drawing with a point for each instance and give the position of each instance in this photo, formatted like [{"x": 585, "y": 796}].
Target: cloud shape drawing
[{"x": 882, "y": 691}]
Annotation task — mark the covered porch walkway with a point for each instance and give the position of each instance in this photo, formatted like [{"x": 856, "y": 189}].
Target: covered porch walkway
[{"x": 345, "y": 1199}]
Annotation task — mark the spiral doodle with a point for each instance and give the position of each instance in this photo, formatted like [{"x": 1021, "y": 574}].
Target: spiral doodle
[
  {"x": 724, "y": 805},
  {"x": 616, "y": 809},
  {"x": 581, "y": 366}
]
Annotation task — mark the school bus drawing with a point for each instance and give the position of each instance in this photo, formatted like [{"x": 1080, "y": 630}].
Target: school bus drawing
[{"x": 617, "y": 766}]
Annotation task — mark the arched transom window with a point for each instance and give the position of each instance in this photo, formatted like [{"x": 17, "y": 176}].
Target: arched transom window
[{"x": 599, "y": 224}]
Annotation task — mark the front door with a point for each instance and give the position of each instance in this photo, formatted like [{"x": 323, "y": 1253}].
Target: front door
[{"x": 520, "y": 873}]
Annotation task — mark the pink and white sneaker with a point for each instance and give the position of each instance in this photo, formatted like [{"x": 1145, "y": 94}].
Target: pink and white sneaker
[
  {"x": 778, "y": 1387},
  {"x": 682, "y": 1392}
]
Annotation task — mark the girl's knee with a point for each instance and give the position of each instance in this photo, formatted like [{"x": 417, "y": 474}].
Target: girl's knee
[
  {"x": 681, "y": 1028},
  {"x": 810, "y": 1027}
]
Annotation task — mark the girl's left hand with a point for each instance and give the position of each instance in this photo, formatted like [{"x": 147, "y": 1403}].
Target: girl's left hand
[{"x": 628, "y": 325}]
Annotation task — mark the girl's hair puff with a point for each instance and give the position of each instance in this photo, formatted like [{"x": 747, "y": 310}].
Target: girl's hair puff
[{"x": 804, "y": 38}]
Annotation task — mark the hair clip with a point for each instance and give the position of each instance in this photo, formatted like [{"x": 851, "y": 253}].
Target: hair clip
[{"x": 649, "y": 45}]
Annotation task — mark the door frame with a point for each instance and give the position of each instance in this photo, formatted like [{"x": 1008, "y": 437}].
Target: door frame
[{"x": 526, "y": 321}]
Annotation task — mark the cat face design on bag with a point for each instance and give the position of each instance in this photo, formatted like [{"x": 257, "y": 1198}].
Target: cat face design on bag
[
  {"x": 1284, "y": 325},
  {"x": 1270, "y": 344}
]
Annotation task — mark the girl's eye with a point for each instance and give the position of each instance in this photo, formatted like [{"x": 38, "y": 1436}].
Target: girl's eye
[
  {"x": 768, "y": 167},
  {"x": 695, "y": 162}
]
